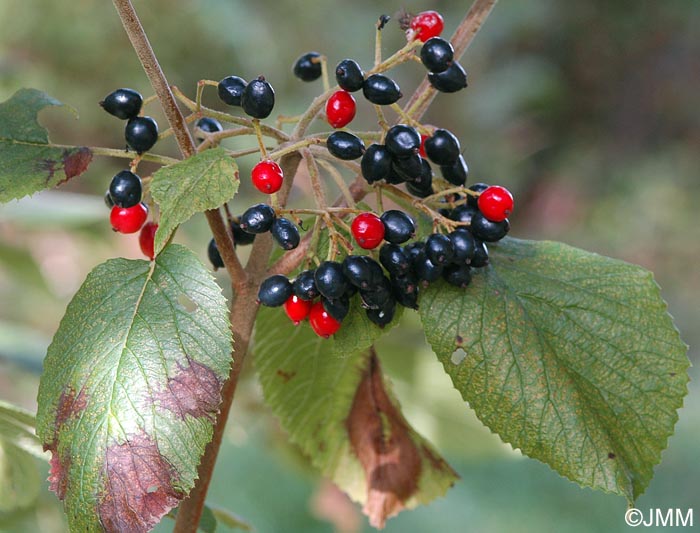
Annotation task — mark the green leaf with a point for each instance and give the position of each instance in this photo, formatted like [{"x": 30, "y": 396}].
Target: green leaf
[
  {"x": 19, "y": 478},
  {"x": 229, "y": 519},
  {"x": 17, "y": 429},
  {"x": 28, "y": 161},
  {"x": 131, "y": 388},
  {"x": 338, "y": 409},
  {"x": 567, "y": 355},
  {"x": 205, "y": 181}
]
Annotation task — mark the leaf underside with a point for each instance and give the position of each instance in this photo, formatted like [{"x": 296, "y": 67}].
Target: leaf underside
[
  {"x": 131, "y": 388},
  {"x": 567, "y": 355},
  {"x": 29, "y": 162}
]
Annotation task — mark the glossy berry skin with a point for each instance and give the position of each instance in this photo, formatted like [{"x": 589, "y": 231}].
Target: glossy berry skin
[
  {"x": 345, "y": 145},
  {"x": 338, "y": 308},
  {"x": 464, "y": 246},
  {"x": 398, "y": 226},
  {"x": 362, "y": 271},
  {"x": 207, "y": 125},
  {"x": 463, "y": 213},
  {"x": 308, "y": 67},
  {"x": 274, "y": 291},
  {"x": 457, "y": 275},
  {"x": 439, "y": 249},
  {"x": 406, "y": 168},
  {"x": 214, "y": 255},
  {"x": 305, "y": 285},
  {"x": 108, "y": 200},
  {"x": 425, "y": 269},
  {"x": 384, "y": 315},
  {"x": 485, "y": 230},
  {"x": 297, "y": 309},
  {"x": 381, "y": 90},
  {"x": 437, "y": 54},
  {"x": 340, "y": 109},
  {"x": 443, "y": 148},
  {"x": 125, "y": 189},
  {"x": 230, "y": 90},
  {"x": 285, "y": 233},
  {"x": 377, "y": 297},
  {"x": 267, "y": 177},
  {"x": 477, "y": 187},
  {"x": 323, "y": 324},
  {"x": 239, "y": 236},
  {"x": 368, "y": 230},
  {"x": 496, "y": 203},
  {"x": 456, "y": 173},
  {"x": 146, "y": 239},
  {"x": 128, "y": 219},
  {"x": 419, "y": 189},
  {"x": 258, "y": 98},
  {"x": 427, "y": 24},
  {"x": 123, "y": 103},
  {"x": 393, "y": 258},
  {"x": 481, "y": 254},
  {"x": 425, "y": 179},
  {"x": 375, "y": 163},
  {"x": 141, "y": 133},
  {"x": 330, "y": 280},
  {"x": 405, "y": 290},
  {"x": 349, "y": 75},
  {"x": 449, "y": 81},
  {"x": 402, "y": 140},
  {"x": 257, "y": 219}
]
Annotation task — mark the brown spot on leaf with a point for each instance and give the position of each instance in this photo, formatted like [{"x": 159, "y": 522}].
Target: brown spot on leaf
[
  {"x": 381, "y": 439},
  {"x": 58, "y": 471},
  {"x": 75, "y": 162},
  {"x": 138, "y": 486},
  {"x": 459, "y": 340},
  {"x": 611, "y": 455},
  {"x": 194, "y": 390},
  {"x": 69, "y": 406},
  {"x": 286, "y": 376}
]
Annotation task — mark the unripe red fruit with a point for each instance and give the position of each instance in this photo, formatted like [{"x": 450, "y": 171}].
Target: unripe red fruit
[
  {"x": 340, "y": 109},
  {"x": 128, "y": 219},
  {"x": 267, "y": 176},
  {"x": 368, "y": 230},
  {"x": 323, "y": 324},
  {"x": 427, "y": 24},
  {"x": 297, "y": 309},
  {"x": 496, "y": 203},
  {"x": 147, "y": 238}
]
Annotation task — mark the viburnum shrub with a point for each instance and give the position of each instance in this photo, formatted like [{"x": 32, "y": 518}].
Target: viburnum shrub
[{"x": 568, "y": 356}]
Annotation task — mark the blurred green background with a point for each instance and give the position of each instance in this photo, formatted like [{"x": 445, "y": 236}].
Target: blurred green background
[{"x": 588, "y": 111}]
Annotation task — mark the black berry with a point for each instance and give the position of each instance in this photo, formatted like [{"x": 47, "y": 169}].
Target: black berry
[
  {"x": 214, "y": 256},
  {"x": 449, "y": 81},
  {"x": 477, "y": 187},
  {"x": 258, "y": 98},
  {"x": 425, "y": 269},
  {"x": 481, "y": 254},
  {"x": 239, "y": 236},
  {"x": 442, "y": 148},
  {"x": 402, "y": 140},
  {"x": 485, "y": 230},
  {"x": 381, "y": 90},
  {"x": 405, "y": 290},
  {"x": 141, "y": 133},
  {"x": 338, "y": 308},
  {"x": 330, "y": 280},
  {"x": 394, "y": 259},
  {"x": 420, "y": 189},
  {"x": 384, "y": 315},
  {"x": 308, "y": 67},
  {"x": 285, "y": 232},
  {"x": 231, "y": 89},
  {"x": 437, "y": 54},
  {"x": 108, "y": 200},
  {"x": 456, "y": 173},
  {"x": 123, "y": 103},
  {"x": 207, "y": 125},
  {"x": 362, "y": 271},
  {"x": 464, "y": 246},
  {"x": 439, "y": 249},
  {"x": 407, "y": 168},
  {"x": 257, "y": 218},
  {"x": 375, "y": 163},
  {"x": 125, "y": 189},
  {"x": 457, "y": 275},
  {"x": 377, "y": 297},
  {"x": 274, "y": 291},
  {"x": 464, "y": 213},
  {"x": 398, "y": 226},
  {"x": 349, "y": 75},
  {"x": 345, "y": 145},
  {"x": 305, "y": 285}
]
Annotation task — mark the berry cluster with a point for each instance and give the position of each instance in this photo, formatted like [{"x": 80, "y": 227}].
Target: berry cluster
[{"x": 140, "y": 133}]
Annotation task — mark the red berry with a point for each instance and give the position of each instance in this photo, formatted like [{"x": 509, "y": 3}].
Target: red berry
[
  {"x": 368, "y": 230},
  {"x": 267, "y": 176},
  {"x": 323, "y": 324},
  {"x": 496, "y": 203},
  {"x": 421, "y": 150},
  {"x": 146, "y": 238},
  {"x": 297, "y": 309},
  {"x": 340, "y": 109},
  {"x": 427, "y": 24},
  {"x": 128, "y": 219}
]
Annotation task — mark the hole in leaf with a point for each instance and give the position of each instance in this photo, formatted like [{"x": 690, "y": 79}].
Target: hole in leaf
[
  {"x": 186, "y": 302},
  {"x": 458, "y": 356}
]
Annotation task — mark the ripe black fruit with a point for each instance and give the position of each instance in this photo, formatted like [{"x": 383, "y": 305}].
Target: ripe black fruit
[
  {"x": 207, "y": 125},
  {"x": 419, "y": 189},
  {"x": 377, "y": 297},
  {"x": 231, "y": 89},
  {"x": 274, "y": 291},
  {"x": 449, "y": 81},
  {"x": 384, "y": 315},
  {"x": 108, "y": 200},
  {"x": 442, "y": 148},
  {"x": 125, "y": 189},
  {"x": 345, "y": 145},
  {"x": 376, "y": 163},
  {"x": 258, "y": 98},
  {"x": 407, "y": 168},
  {"x": 141, "y": 133},
  {"x": 362, "y": 271},
  {"x": 285, "y": 233},
  {"x": 405, "y": 290},
  {"x": 305, "y": 285},
  {"x": 439, "y": 249},
  {"x": 425, "y": 269},
  {"x": 394, "y": 259},
  {"x": 485, "y": 230},
  {"x": 381, "y": 90},
  {"x": 402, "y": 140},
  {"x": 330, "y": 280},
  {"x": 477, "y": 187},
  {"x": 239, "y": 236},
  {"x": 413, "y": 249},
  {"x": 437, "y": 54},
  {"x": 123, "y": 103},
  {"x": 464, "y": 246},
  {"x": 456, "y": 173},
  {"x": 349, "y": 75},
  {"x": 337, "y": 308},
  {"x": 214, "y": 256},
  {"x": 464, "y": 213},
  {"x": 308, "y": 67},
  {"x": 398, "y": 226},
  {"x": 481, "y": 254},
  {"x": 457, "y": 275},
  {"x": 257, "y": 218}
]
